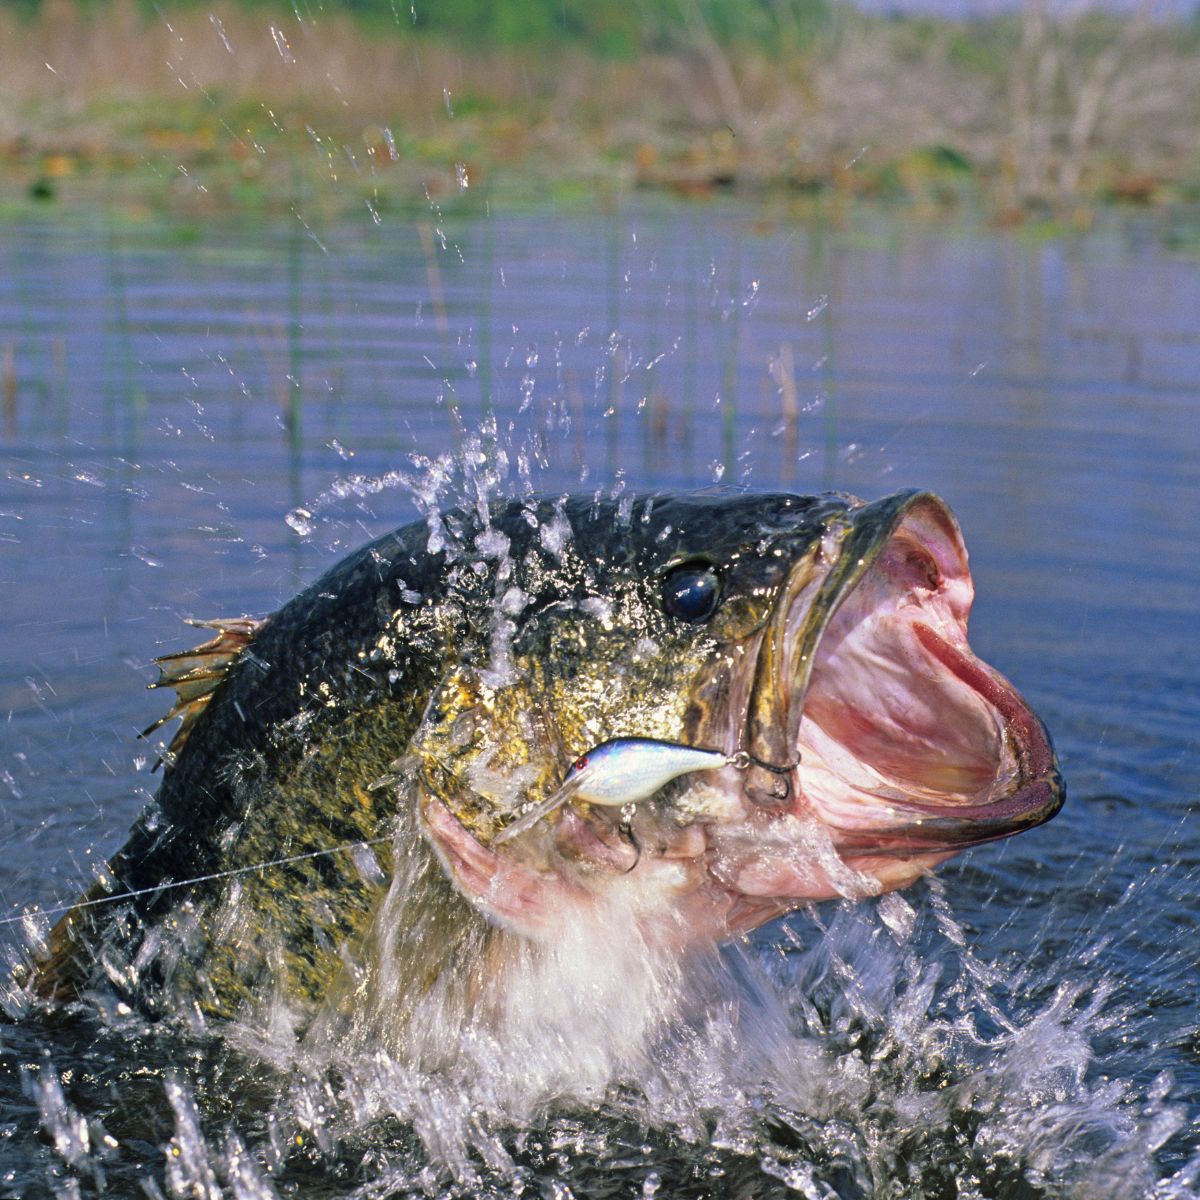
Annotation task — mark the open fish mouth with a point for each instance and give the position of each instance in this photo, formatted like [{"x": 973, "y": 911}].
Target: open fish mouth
[{"x": 908, "y": 744}]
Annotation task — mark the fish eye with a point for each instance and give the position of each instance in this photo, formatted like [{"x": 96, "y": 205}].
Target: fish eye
[{"x": 691, "y": 592}]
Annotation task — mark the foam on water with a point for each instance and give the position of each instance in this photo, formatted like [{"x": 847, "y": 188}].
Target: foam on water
[
  {"x": 871, "y": 1054},
  {"x": 865, "y": 1051}
]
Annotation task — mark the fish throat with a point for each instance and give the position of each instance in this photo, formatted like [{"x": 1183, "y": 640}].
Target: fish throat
[{"x": 904, "y": 742}]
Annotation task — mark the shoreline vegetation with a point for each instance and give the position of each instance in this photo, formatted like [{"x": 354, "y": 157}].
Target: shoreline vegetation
[{"x": 1042, "y": 113}]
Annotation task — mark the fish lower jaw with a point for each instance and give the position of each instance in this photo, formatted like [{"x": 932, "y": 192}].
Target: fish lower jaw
[{"x": 910, "y": 744}]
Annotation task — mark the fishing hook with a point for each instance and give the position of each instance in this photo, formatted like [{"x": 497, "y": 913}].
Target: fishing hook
[
  {"x": 626, "y": 830},
  {"x": 742, "y": 760}
]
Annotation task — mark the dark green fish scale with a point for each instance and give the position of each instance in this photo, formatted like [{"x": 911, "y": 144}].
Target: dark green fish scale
[{"x": 330, "y": 693}]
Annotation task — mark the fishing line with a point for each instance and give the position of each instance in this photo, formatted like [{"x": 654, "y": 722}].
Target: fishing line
[
  {"x": 740, "y": 761},
  {"x": 178, "y": 883}
]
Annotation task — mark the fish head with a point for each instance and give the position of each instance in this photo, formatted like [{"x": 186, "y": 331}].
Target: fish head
[{"x": 818, "y": 642}]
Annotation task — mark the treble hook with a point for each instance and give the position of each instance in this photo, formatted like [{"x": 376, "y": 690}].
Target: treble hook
[
  {"x": 625, "y": 829},
  {"x": 743, "y": 760}
]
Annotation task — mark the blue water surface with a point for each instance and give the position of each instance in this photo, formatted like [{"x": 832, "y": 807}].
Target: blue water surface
[{"x": 194, "y": 427}]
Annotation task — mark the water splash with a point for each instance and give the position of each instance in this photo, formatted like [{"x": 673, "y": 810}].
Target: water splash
[
  {"x": 844, "y": 1068},
  {"x": 860, "y": 1051}
]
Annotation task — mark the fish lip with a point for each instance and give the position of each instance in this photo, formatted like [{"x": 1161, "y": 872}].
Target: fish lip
[
  {"x": 855, "y": 534},
  {"x": 1036, "y": 798},
  {"x": 1040, "y": 793},
  {"x": 909, "y": 826}
]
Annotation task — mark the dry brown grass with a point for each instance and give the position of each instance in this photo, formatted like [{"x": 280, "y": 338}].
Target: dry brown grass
[
  {"x": 1047, "y": 125},
  {"x": 72, "y": 59}
]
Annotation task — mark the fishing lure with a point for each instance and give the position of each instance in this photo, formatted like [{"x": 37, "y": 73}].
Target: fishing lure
[
  {"x": 614, "y": 773},
  {"x": 625, "y": 770}
]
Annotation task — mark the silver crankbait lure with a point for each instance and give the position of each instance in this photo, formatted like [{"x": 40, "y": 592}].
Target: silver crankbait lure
[{"x": 625, "y": 770}]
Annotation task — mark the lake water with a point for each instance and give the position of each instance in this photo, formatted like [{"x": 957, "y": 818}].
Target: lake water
[{"x": 196, "y": 421}]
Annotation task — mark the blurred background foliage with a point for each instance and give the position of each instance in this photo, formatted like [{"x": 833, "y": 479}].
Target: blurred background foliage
[
  {"x": 615, "y": 28},
  {"x": 1044, "y": 109}
]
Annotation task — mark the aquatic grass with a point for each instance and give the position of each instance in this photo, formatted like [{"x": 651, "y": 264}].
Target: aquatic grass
[
  {"x": 782, "y": 370},
  {"x": 22, "y": 352},
  {"x": 8, "y": 384},
  {"x": 730, "y": 361},
  {"x": 443, "y": 369},
  {"x": 121, "y": 394},
  {"x": 296, "y": 247},
  {"x": 59, "y": 385},
  {"x": 483, "y": 333},
  {"x": 614, "y": 366}
]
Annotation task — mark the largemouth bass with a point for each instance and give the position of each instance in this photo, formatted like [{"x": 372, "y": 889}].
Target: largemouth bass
[{"x": 339, "y": 789}]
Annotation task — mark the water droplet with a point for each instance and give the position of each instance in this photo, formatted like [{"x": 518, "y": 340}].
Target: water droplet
[
  {"x": 898, "y": 915},
  {"x": 281, "y": 44},
  {"x": 220, "y": 28},
  {"x": 300, "y": 519}
]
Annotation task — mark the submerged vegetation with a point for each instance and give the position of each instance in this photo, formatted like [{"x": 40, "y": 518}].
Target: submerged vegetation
[{"x": 244, "y": 104}]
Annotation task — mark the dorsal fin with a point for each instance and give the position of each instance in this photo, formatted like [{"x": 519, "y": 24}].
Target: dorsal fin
[{"x": 195, "y": 675}]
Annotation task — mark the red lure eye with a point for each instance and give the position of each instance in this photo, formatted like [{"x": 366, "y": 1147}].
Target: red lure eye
[{"x": 579, "y": 763}]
